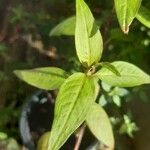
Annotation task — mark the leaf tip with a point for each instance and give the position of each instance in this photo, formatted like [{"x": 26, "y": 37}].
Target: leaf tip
[
  {"x": 125, "y": 29},
  {"x": 16, "y": 72}
]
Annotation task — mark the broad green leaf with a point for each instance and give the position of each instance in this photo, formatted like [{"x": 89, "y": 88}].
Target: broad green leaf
[
  {"x": 99, "y": 124},
  {"x": 48, "y": 78},
  {"x": 66, "y": 27},
  {"x": 110, "y": 67},
  {"x": 72, "y": 105},
  {"x": 144, "y": 16},
  {"x": 130, "y": 75},
  {"x": 126, "y": 11},
  {"x": 88, "y": 39}
]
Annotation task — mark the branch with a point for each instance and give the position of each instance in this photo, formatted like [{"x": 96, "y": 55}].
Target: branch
[{"x": 79, "y": 137}]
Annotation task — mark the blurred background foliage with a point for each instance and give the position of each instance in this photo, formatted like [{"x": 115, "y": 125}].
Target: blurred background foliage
[{"x": 25, "y": 43}]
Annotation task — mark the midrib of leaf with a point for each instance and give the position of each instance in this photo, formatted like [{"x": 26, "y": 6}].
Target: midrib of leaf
[
  {"x": 125, "y": 75},
  {"x": 129, "y": 76},
  {"x": 87, "y": 34},
  {"x": 73, "y": 105},
  {"x": 126, "y": 15}
]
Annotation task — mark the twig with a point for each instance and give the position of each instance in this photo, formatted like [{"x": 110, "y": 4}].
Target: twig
[
  {"x": 39, "y": 46},
  {"x": 79, "y": 137}
]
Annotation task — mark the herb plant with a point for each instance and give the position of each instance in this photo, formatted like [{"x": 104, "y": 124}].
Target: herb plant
[{"x": 75, "y": 103}]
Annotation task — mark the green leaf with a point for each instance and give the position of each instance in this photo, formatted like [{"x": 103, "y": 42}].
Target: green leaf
[
  {"x": 128, "y": 126},
  {"x": 66, "y": 27},
  {"x": 130, "y": 75},
  {"x": 86, "y": 35},
  {"x": 43, "y": 141},
  {"x": 102, "y": 100},
  {"x": 100, "y": 126},
  {"x": 72, "y": 105},
  {"x": 126, "y": 11},
  {"x": 110, "y": 67},
  {"x": 48, "y": 78},
  {"x": 117, "y": 100},
  {"x": 106, "y": 86},
  {"x": 144, "y": 16},
  {"x": 3, "y": 136}
]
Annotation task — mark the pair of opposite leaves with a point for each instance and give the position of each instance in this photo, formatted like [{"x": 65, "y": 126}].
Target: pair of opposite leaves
[{"x": 79, "y": 90}]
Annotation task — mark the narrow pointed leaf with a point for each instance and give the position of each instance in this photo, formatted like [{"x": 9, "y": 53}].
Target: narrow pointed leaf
[
  {"x": 99, "y": 124},
  {"x": 86, "y": 35},
  {"x": 126, "y": 11},
  {"x": 66, "y": 27},
  {"x": 48, "y": 78},
  {"x": 130, "y": 75},
  {"x": 72, "y": 105},
  {"x": 144, "y": 16}
]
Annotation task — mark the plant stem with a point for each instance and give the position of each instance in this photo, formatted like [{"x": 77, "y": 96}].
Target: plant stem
[{"x": 79, "y": 137}]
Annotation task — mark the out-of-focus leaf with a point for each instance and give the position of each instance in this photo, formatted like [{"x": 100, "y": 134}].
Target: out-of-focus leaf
[
  {"x": 143, "y": 16},
  {"x": 43, "y": 142},
  {"x": 3, "y": 136},
  {"x": 102, "y": 100},
  {"x": 106, "y": 86},
  {"x": 117, "y": 100},
  {"x": 9, "y": 144},
  {"x": 66, "y": 27},
  {"x": 128, "y": 127}
]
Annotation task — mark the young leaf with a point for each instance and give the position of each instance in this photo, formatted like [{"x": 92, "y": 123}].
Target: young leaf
[
  {"x": 117, "y": 100},
  {"x": 126, "y": 11},
  {"x": 67, "y": 27},
  {"x": 144, "y": 16},
  {"x": 99, "y": 124},
  {"x": 72, "y": 105},
  {"x": 130, "y": 75},
  {"x": 86, "y": 35},
  {"x": 48, "y": 78}
]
